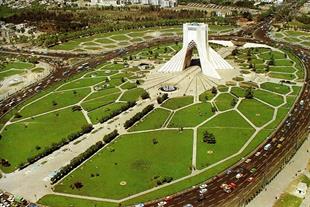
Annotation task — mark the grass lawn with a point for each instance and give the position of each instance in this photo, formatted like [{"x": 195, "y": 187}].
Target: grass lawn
[
  {"x": 21, "y": 139},
  {"x": 178, "y": 102},
  {"x": 104, "y": 41},
  {"x": 283, "y": 62},
  {"x": 132, "y": 95},
  {"x": 223, "y": 101},
  {"x": 54, "y": 101},
  {"x": 231, "y": 131},
  {"x": 103, "y": 92},
  {"x": 191, "y": 116},
  {"x": 135, "y": 159},
  {"x": 8, "y": 73},
  {"x": 268, "y": 97},
  {"x": 274, "y": 87},
  {"x": 83, "y": 82},
  {"x": 119, "y": 37},
  {"x": 285, "y": 76},
  {"x": 238, "y": 91},
  {"x": 129, "y": 85},
  {"x": 257, "y": 112},
  {"x": 284, "y": 69},
  {"x": 104, "y": 111},
  {"x": 101, "y": 101},
  {"x": 18, "y": 65},
  {"x": 153, "y": 120},
  {"x": 288, "y": 200},
  {"x": 63, "y": 201}
]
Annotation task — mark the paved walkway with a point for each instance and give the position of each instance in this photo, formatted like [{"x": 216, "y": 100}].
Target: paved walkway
[{"x": 278, "y": 185}]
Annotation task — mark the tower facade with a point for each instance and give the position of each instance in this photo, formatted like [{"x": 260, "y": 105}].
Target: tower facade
[{"x": 196, "y": 35}]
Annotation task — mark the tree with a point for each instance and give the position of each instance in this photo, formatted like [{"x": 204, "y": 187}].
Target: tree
[
  {"x": 54, "y": 103},
  {"x": 145, "y": 95},
  {"x": 214, "y": 90},
  {"x": 209, "y": 138},
  {"x": 155, "y": 141},
  {"x": 213, "y": 109},
  {"x": 249, "y": 93},
  {"x": 234, "y": 102}
]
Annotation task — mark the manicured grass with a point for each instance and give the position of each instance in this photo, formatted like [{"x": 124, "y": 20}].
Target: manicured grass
[
  {"x": 101, "y": 101},
  {"x": 132, "y": 95},
  {"x": 54, "y": 101},
  {"x": 283, "y": 69},
  {"x": 18, "y": 65},
  {"x": 154, "y": 120},
  {"x": 283, "y": 62},
  {"x": 178, "y": 102},
  {"x": 282, "y": 112},
  {"x": 63, "y": 201},
  {"x": 274, "y": 87},
  {"x": 285, "y": 76},
  {"x": 103, "y": 92},
  {"x": 257, "y": 112},
  {"x": 229, "y": 129},
  {"x": 135, "y": 159},
  {"x": 119, "y": 37},
  {"x": 268, "y": 97},
  {"x": 8, "y": 73},
  {"x": 288, "y": 200},
  {"x": 104, "y": 111},
  {"x": 191, "y": 116},
  {"x": 105, "y": 41},
  {"x": 21, "y": 139},
  {"x": 84, "y": 82},
  {"x": 238, "y": 91},
  {"x": 129, "y": 85},
  {"x": 223, "y": 101}
]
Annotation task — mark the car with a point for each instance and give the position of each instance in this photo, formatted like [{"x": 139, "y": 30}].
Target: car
[
  {"x": 232, "y": 185},
  {"x": 248, "y": 160},
  {"x": 239, "y": 175},
  {"x": 188, "y": 205},
  {"x": 161, "y": 203},
  {"x": 168, "y": 198},
  {"x": 228, "y": 171},
  {"x": 202, "y": 191},
  {"x": 281, "y": 139},
  {"x": 279, "y": 146},
  {"x": 250, "y": 179},
  {"x": 257, "y": 154},
  {"x": 203, "y": 186},
  {"x": 253, "y": 170},
  {"x": 267, "y": 147},
  {"x": 139, "y": 205}
]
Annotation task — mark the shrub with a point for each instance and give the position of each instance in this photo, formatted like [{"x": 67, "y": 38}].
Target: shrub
[
  {"x": 109, "y": 137},
  {"x": 162, "y": 98},
  {"x": 145, "y": 95},
  {"x": 138, "y": 116}
]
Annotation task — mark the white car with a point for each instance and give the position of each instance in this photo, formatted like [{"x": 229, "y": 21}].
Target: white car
[
  {"x": 139, "y": 205},
  {"x": 188, "y": 205},
  {"x": 257, "y": 154},
  {"x": 202, "y": 191},
  {"x": 203, "y": 186},
  {"x": 161, "y": 203},
  {"x": 239, "y": 175}
]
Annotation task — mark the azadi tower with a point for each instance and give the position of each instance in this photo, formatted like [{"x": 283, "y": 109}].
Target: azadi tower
[{"x": 196, "y": 35}]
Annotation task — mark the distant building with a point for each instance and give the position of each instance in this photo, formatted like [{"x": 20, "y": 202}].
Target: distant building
[{"x": 161, "y": 3}]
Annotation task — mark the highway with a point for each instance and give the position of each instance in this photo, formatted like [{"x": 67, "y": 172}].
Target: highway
[{"x": 284, "y": 143}]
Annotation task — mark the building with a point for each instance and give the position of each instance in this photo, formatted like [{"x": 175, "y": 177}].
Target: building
[
  {"x": 195, "y": 35},
  {"x": 161, "y": 3}
]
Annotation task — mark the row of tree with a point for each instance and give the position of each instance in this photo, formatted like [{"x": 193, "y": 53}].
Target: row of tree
[
  {"x": 138, "y": 116},
  {"x": 84, "y": 156},
  {"x": 114, "y": 113},
  {"x": 162, "y": 98},
  {"x": 55, "y": 146}
]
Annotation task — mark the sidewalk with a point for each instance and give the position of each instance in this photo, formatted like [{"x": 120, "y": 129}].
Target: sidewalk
[{"x": 276, "y": 187}]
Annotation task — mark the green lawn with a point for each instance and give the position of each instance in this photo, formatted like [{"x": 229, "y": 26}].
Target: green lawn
[
  {"x": 51, "y": 200},
  {"x": 238, "y": 91},
  {"x": 135, "y": 159},
  {"x": 103, "y": 92},
  {"x": 153, "y": 120},
  {"x": 84, "y": 82},
  {"x": 21, "y": 139},
  {"x": 132, "y": 95},
  {"x": 223, "y": 101},
  {"x": 101, "y": 101},
  {"x": 191, "y": 116},
  {"x": 257, "y": 112},
  {"x": 288, "y": 200},
  {"x": 104, "y": 111},
  {"x": 268, "y": 97},
  {"x": 274, "y": 87},
  {"x": 8, "y": 73},
  {"x": 119, "y": 37},
  {"x": 129, "y": 85},
  {"x": 178, "y": 102},
  {"x": 54, "y": 101},
  {"x": 229, "y": 129},
  {"x": 18, "y": 65},
  {"x": 285, "y": 76}
]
